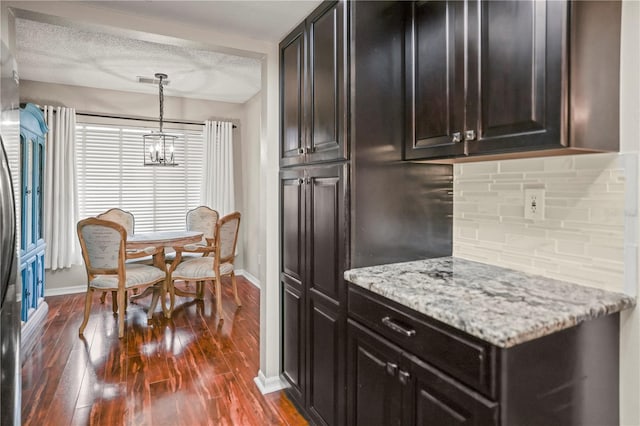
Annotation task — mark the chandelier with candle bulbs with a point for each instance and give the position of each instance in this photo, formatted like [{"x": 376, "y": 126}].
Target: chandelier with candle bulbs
[{"x": 159, "y": 147}]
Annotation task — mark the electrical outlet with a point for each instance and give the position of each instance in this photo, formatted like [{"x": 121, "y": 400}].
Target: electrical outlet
[{"x": 534, "y": 204}]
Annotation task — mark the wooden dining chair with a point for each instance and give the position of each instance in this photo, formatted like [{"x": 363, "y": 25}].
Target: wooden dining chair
[
  {"x": 201, "y": 219},
  {"x": 103, "y": 244},
  {"x": 128, "y": 222},
  {"x": 210, "y": 268}
]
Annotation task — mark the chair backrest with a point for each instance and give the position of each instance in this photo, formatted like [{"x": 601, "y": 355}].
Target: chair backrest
[
  {"x": 203, "y": 219},
  {"x": 103, "y": 244},
  {"x": 122, "y": 217},
  {"x": 227, "y": 237}
]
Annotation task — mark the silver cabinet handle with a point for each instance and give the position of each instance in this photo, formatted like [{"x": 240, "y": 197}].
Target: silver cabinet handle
[
  {"x": 300, "y": 150},
  {"x": 404, "y": 377},
  {"x": 390, "y": 323},
  {"x": 470, "y": 135},
  {"x": 392, "y": 368},
  {"x": 456, "y": 137},
  {"x": 300, "y": 181}
]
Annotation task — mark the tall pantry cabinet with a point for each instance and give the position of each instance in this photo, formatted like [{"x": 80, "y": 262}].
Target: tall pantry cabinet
[{"x": 313, "y": 199}]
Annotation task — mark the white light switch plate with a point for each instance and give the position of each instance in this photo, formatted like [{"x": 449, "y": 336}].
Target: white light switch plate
[{"x": 534, "y": 204}]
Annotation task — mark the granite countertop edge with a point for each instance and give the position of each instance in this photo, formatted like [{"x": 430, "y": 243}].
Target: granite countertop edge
[{"x": 501, "y": 306}]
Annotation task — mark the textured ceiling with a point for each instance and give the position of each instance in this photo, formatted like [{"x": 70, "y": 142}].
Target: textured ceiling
[
  {"x": 79, "y": 56},
  {"x": 58, "y": 54},
  {"x": 260, "y": 20}
]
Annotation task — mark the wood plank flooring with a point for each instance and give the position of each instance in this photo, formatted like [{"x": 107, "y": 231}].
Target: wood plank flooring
[{"x": 189, "y": 370}]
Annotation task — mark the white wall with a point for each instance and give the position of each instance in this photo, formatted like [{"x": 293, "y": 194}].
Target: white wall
[
  {"x": 630, "y": 143},
  {"x": 86, "y": 99},
  {"x": 251, "y": 182}
]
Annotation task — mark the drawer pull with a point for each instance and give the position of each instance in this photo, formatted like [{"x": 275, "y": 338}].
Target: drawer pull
[{"x": 408, "y": 332}]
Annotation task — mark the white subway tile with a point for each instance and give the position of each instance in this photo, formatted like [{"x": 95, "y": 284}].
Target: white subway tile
[
  {"x": 563, "y": 213},
  {"x": 479, "y": 167},
  {"x": 570, "y": 247},
  {"x": 472, "y": 186},
  {"x": 516, "y": 260},
  {"x": 493, "y": 233},
  {"x": 511, "y": 210},
  {"x": 545, "y": 265},
  {"x": 506, "y": 187},
  {"x": 468, "y": 233},
  {"x": 568, "y": 236},
  {"x": 522, "y": 165},
  {"x": 550, "y": 176},
  {"x": 609, "y": 216},
  {"x": 513, "y": 177},
  {"x": 605, "y": 252},
  {"x": 465, "y": 208},
  {"x": 561, "y": 163},
  {"x": 597, "y": 161},
  {"x": 584, "y": 226}
]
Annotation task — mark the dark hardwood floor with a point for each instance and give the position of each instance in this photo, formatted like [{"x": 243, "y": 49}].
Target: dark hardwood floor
[{"x": 190, "y": 370}]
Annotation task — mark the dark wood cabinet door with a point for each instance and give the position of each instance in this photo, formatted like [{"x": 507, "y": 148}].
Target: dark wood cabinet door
[
  {"x": 516, "y": 54},
  {"x": 432, "y": 398},
  {"x": 326, "y": 223},
  {"x": 326, "y": 361},
  {"x": 292, "y": 64},
  {"x": 326, "y": 84},
  {"x": 435, "y": 79},
  {"x": 293, "y": 335},
  {"x": 374, "y": 393},
  {"x": 325, "y": 189},
  {"x": 292, "y": 223}
]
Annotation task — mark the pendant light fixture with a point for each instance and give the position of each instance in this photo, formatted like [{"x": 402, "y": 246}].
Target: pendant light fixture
[{"x": 159, "y": 149}]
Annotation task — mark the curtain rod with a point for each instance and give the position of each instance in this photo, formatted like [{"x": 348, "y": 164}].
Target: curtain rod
[{"x": 90, "y": 114}]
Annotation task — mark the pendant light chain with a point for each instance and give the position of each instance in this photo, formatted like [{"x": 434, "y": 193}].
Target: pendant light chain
[{"x": 161, "y": 102}]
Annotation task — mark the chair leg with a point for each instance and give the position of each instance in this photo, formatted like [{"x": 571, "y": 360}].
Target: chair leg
[
  {"x": 154, "y": 301},
  {"x": 103, "y": 297},
  {"x": 87, "y": 309},
  {"x": 114, "y": 302},
  {"x": 200, "y": 290},
  {"x": 218, "y": 292},
  {"x": 235, "y": 288},
  {"x": 121, "y": 301}
]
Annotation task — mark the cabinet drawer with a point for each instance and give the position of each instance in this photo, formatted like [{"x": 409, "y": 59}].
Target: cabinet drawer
[{"x": 465, "y": 357}]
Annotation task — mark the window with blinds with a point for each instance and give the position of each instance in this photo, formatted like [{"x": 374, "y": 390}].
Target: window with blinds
[{"x": 111, "y": 174}]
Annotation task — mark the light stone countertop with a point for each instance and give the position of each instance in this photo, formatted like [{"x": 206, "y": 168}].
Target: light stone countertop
[{"x": 499, "y": 305}]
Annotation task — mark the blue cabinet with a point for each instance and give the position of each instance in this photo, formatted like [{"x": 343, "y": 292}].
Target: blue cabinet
[{"x": 32, "y": 247}]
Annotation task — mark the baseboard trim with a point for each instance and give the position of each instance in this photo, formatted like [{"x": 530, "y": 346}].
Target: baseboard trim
[
  {"x": 269, "y": 384},
  {"x": 59, "y": 291},
  {"x": 252, "y": 279}
]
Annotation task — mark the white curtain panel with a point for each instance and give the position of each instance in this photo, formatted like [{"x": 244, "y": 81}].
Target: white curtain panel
[
  {"x": 217, "y": 167},
  {"x": 60, "y": 190}
]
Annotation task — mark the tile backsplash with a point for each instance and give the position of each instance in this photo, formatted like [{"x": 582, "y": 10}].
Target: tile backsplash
[{"x": 582, "y": 236}]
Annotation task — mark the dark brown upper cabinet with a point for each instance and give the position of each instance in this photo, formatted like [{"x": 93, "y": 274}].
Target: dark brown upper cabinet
[
  {"x": 313, "y": 81},
  {"x": 511, "y": 78}
]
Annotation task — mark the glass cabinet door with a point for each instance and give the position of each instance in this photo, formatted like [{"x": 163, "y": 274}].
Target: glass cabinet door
[
  {"x": 38, "y": 190},
  {"x": 27, "y": 194}
]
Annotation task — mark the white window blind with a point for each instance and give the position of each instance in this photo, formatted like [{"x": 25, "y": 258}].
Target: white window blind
[{"x": 111, "y": 174}]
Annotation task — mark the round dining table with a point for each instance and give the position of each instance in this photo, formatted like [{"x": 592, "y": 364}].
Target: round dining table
[{"x": 164, "y": 239}]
